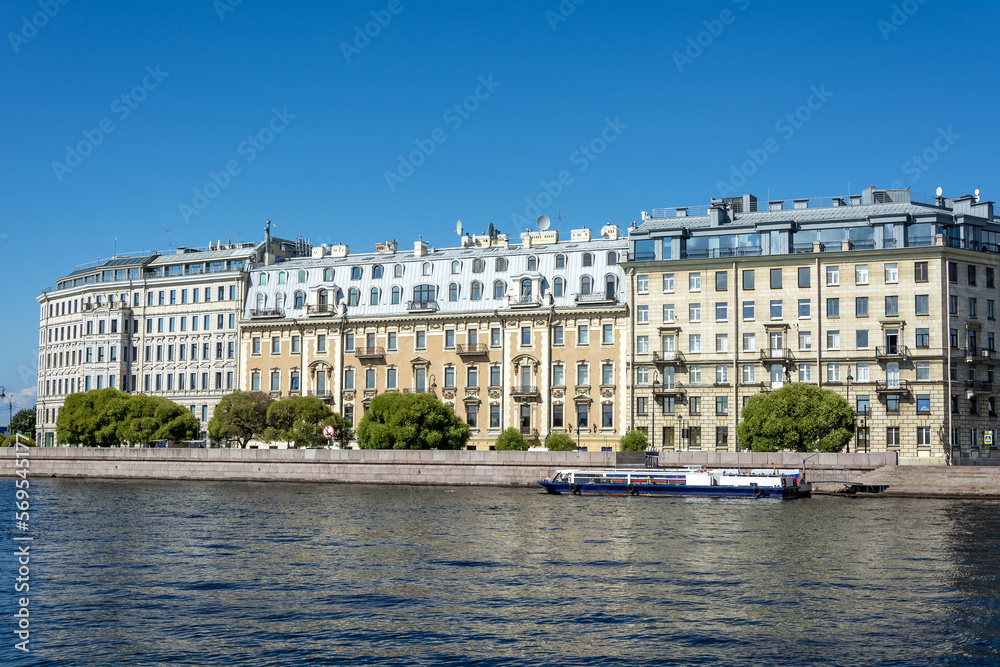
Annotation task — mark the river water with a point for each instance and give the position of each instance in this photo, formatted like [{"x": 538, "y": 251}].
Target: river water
[{"x": 190, "y": 573}]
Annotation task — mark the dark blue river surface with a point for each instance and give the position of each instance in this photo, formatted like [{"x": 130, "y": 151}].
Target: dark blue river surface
[{"x": 187, "y": 573}]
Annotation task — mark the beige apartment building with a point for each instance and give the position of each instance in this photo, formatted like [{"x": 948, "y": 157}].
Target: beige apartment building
[
  {"x": 531, "y": 335},
  {"x": 887, "y": 300}
]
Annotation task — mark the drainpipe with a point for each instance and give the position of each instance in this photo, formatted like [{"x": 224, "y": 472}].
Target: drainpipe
[{"x": 947, "y": 339}]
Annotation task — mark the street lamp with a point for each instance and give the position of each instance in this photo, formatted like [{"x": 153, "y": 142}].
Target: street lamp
[
  {"x": 10, "y": 406},
  {"x": 652, "y": 433},
  {"x": 849, "y": 378}
]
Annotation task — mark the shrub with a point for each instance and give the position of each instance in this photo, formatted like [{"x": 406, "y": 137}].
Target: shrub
[
  {"x": 557, "y": 441},
  {"x": 510, "y": 439},
  {"x": 634, "y": 441}
]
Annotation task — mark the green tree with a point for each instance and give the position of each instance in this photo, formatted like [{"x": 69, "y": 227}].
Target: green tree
[
  {"x": 510, "y": 439},
  {"x": 240, "y": 416},
  {"x": 108, "y": 417},
  {"x": 411, "y": 421},
  {"x": 300, "y": 421},
  {"x": 634, "y": 441},
  {"x": 151, "y": 418},
  {"x": 558, "y": 441},
  {"x": 23, "y": 422},
  {"x": 798, "y": 417}
]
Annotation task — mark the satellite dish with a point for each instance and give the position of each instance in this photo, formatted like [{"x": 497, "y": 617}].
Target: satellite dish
[
  {"x": 543, "y": 222},
  {"x": 939, "y": 191},
  {"x": 492, "y": 230},
  {"x": 977, "y": 195},
  {"x": 458, "y": 227}
]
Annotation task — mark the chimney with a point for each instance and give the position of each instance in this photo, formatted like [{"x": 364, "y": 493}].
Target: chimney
[
  {"x": 420, "y": 247},
  {"x": 855, "y": 200}
]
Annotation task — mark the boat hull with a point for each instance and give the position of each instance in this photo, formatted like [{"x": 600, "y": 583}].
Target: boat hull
[{"x": 599, "y": 489}]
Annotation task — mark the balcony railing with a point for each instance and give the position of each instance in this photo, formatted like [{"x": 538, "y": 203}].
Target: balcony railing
[
  {"x": 524, "y": 390},
  {"x": 596, "y": 298},
  {"x": 668, "y": 389},
  {"x": 472, "y": 349},
  {"x": 262, "y": 313},
  {"x": 669, "y": 357},
  {"x": 974, "y": 354},
  {"x": 780, "y": 353},
  {"x": 892, "y": 386},
  {"x": 421, "y": 306},
  {"x": 891, "y": 351},
  {"x": 369, "y": 352},
  {"x": 980, "y": 386},
  {"x": 325, "y": 393},
  {"x": 321, "y": 309},
  {"x": 525, "y": 301}
]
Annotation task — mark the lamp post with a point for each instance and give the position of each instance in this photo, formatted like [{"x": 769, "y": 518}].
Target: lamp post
[
  {"x": 10, "y": 406},
  {"x": 849, "y": 378},
  {"x": 652, "y": 428}
]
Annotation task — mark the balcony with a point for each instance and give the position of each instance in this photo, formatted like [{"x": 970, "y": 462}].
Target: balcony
[
  {"x": 266, "y": 313},
  {"x": 421, "y": 306},
  {"x": 669, "y": 357},
  {"x": 369, "y": 352},
  {"x": 324, "y": 394},
  {"x": 777, "y": 354},
  {"x": 472, "y": 350},
  {"x": 524, "y": 391},
  {"x": 974, "y": 354},
  {"x": 892, "y": 386},
  {"x": 525, "y": 301},
  {"x": 596, "y": 298},
  {"x": 892, "y": 352},
  {"x": 980, "y": 386},
  {"x": 321, "y": 309},
  {"x": 668, "y": 389}
]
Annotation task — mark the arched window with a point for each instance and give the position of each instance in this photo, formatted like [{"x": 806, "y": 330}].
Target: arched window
[
  {"x": 453, "y": 292},
  {"x": 324, "y": 298},
  {"x": 560, "y": 261},
  {"x": 353, "y": 296},
  {"x": 300, "y": 299},
  {"x": 261, "y": 300},
  {"x": 377, "y": 271},
  {"x": 612, "y": 258},
  {"x": 586, "y": 285},
  {"x": 526, "y": 288},
  {"x": 397, "y": 293},
  {"x": 397, "y": 271},
  {"x": 279, "y": 300},
  {"x": 263, "y": 279},
  {"x": 501, "y": 264},
  {"x": 477, "y": 290},
  {"x": 588, "y": 259},
  {"x": 282, "y": 277},
  {"x": 610, "y": 285},
  {"x": 302, "y": 276},
  {"x": 558, "y": 287},
  {"x": 373, "y": 297},
  {"x": 328, "y": 275},
  {"x": 532, "y": 263},
  {"x": 498, "y": 289},
  {"x": 456, "y": 267},
  {"x": 423, "y": 293},
  {"x": 355, "y": 273},
  {"x": 478, "y": 266},
  {"x": 427, "y": 268}
]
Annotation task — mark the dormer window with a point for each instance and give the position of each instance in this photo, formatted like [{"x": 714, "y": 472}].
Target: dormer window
[
  {"x": 356, "y": 273},
  {"x": 532, "y": 263},
  {"x": 560, "y": 261},
  {"x": 588, "y": 259}
]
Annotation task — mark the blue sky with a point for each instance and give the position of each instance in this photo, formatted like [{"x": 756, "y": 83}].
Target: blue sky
[{"x": 119, "y": 114}]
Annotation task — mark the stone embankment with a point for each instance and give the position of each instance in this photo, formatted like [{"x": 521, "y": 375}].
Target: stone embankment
[{"x": 919, "y": 481}]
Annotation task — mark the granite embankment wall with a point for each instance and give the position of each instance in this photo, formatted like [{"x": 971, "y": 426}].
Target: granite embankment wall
[{"x": 378, "y": 466}]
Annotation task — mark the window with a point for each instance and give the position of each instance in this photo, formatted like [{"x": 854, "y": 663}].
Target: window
[
  {"x": 668, "y": 282},
  {"x": 861, "y": 339},
  {"x": 775, "y": 278},
  {"x": 721, "y": 281},
  {"x": 390, "y": 378},
  {"x": 891, "y": 273},
  {"x": 456, "y": 267},
  {"x": 525, "y": 335},
  {"x": 832, "y": 340},
  {"x": 397, "y": 271},
  {"x": 861, "y": 274},
  {"x": 721, "y": 311},
  {"x": 477, "y": 290},
  {"x": 722, "y": 342},
  {"x": 923, "y": 436},
  {"x": 498, "y": 289},
  {"x": 953, "y": 305},
  {"x": 804, "y": 276},
  {"x": 453, "y": 292},
  {"x": 560, "y": 261},
  {"x": 495, "y": 376},
  {"x": 642, "y": 284},
  {"x": 495, "y": 337},
  {"x": 920, "y": 272},
  {"x": 923, "y": 370},
  {"x": 588, "y": 259},
  {"x": 275, "y": 347},
  {"x": 607, "y": 374},
  {"x": 449, "y": 338},
  {"x": 642, "y": 375},
  {"x": 923, "y": 403},
  {"x": 478, "y": 266},
  {"x": 642, "y": 345},
  {"x": 557, "y": 416},
  {"x": 607, "y": 336},
  {"x": 722, "y": 374},
  {"x": 501, "y": 264},
  {"x": 833, "y": 372},
  {"x": 353, "y": 296},
  {"x": 582, "y": 335},
  {"x": 922, "y": 304},
  {"x": 694, "y": 343},
  {"x": 558, "y": 375},
  {"x": 892, "y": 403},
  {"x": 694, "y": 312},
  {"x": 426, "y": 269},
  {"x": 989, "y": 277},
  {"x": 642, "y": 314},
  {"x": 990, "y": 309},
  {"x": 471, "y": 414},
  {"x": 749, "y": 342},
  {"x": 748, "y": 310},
  {"x": 373, "y": 297},
  {"x": 557, "y": 335},
  {"x": 582, "y": 374},
  {"x": 805, "y": 372},
  {"x": 607, "y": 415},
  {"x": 861, "y": 306},
  {"x": 296, "y": 344},
  {"x": 776, "y": 310},
  {"x": 397, "y": 294},
  {"x": 972, "y": 307},
  {"x": 805, "y": 309},
  {"x": 721, "y": 405},
  {"x": 558, "y": 287},
  {"x": 972, "y": 274},
  {"x": 694, "y": 404},
  {"x": 892, "y": 306},
  {"x": 749, "y": 373},
  {"x": 532, "y": 263},
  {"x": 923, "y": 338},
  {"x": 356, "y": 273},
  {"x": 421, "y": 343},
  {"x": 275, "y": 380},
  {"x": 694, "y": 282},
  {"x": 472, "y": 376},
  {"x": 586, "y": 285},
  {"x": 952, "y": 272},
  {"x": 832, "y": 275},
  {"x": 892, "y": 436},
  {"x": 748, "y": 279},
  {"x": 423, "y": 294},
  {"x": 833, "y": 307},
  {"x": 668, "y": 312}
]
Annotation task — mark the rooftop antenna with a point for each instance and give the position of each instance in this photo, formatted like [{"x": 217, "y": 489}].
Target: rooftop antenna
[
  {"x": 492, "y": 231},
  {"x": 170, "y": 237},
  {"x": 116, "y": 238}
]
